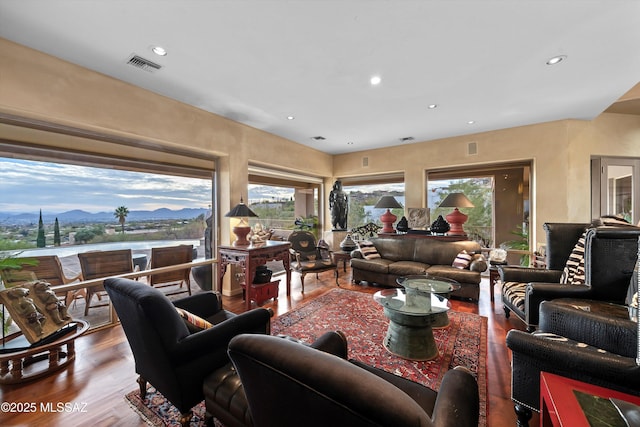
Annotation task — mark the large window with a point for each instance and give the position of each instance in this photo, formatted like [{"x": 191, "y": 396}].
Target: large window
[{"x": 364, "y": 193}]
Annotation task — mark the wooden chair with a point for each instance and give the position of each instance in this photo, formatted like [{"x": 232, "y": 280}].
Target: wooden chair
[
  {"x": 164, "y": 257},
  {"x": 102, "y": 264},
  {"x": 47, "y": 268}
]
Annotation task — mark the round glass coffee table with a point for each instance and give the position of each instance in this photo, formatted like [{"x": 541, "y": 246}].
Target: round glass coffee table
[{"x": 413, "y": 311}]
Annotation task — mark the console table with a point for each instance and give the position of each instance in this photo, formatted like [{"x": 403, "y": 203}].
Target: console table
[
  {"x": 250, "y": 257},
  {"x": 424, "y": 236}
]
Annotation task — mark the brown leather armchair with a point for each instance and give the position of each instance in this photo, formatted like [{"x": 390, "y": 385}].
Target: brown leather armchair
[
  {"x": 321, "y": 389},
  {"x": 609, "y": 260}
]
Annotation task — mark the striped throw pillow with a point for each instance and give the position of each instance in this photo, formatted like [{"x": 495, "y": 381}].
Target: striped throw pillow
[
  {"x": 573, "y": 273},
  {"x": 462, "y": 261},
  {"x": 194, "y": 323},
  {"x": 368, "y": 250}
]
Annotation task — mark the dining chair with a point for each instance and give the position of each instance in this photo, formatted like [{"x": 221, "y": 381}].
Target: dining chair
[
  {"x": 102, "y": 264},
  {"x": 46, "y": 268},
  {"x": 167, "y": 256}
]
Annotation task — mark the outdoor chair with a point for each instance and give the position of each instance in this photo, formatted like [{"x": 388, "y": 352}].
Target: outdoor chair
[
  {"x": 103, "y": 264},
  {"x": 167, "y": 256},
  {"x": 175, "y": 351},
  {"x": 47, "y": 268},
  {"x": 307, "y": 257}
]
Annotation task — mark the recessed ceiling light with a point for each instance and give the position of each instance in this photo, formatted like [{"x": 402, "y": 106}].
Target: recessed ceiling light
[
  {"x": 432, "y": 106},
  {"x": 375, "y": 80},
  {"x": 290, "y": 117},
  {"x": 350, "y": 143},
  {"x": 556, "y": 59},
  {"x": 159, "y": 50},
  {"x": 470, "y": 122}
]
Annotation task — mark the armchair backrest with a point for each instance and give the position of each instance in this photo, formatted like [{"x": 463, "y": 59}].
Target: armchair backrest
[
  {"x": 153, "y": 327},
  {"x": 561, "y": 239},
  {"x": 172, "y": 255},
  {"x": 48, "y": 269},
  {"x": 610, "y": 258},
  {"x": 98, "y": 264},
  {"x": 304, "y": 242},
  {"x": 320, "y": 389}
]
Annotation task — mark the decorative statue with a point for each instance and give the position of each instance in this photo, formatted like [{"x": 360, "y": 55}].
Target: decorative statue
[
  {"x": 26, "y": 309},
  {"x": 339, "y": 204},
  {"x": 56, "y": 308}
]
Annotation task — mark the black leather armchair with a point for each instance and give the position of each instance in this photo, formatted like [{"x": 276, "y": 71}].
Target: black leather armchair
[
  {"x": 320, "y": 389},
  {"x": 608, "y": 359},
  {"x": 167, "y": 355},
  {"x": 609, "y": 260}
]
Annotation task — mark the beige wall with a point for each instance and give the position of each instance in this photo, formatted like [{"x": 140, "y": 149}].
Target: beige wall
[
  {"x": 560, "y": 152},
  {"x": 37, "y": 86}
]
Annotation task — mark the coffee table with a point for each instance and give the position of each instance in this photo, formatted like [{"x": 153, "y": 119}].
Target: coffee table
[{"x": 412, "y": 312}]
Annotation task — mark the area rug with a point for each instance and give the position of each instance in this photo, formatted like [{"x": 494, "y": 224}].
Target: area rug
[{"x": 462, "y": 343}]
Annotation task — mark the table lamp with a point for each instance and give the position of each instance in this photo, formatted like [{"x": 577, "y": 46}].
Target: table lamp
[
  {"x": 387, "y": 218},
  {"x": 456, "y": 218},
  {"x": 241, "y": 230}
]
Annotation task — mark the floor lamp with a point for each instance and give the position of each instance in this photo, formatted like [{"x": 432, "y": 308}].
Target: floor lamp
[
  {"x": 456, "y": 218},
  {"x": 387, "y": 218}
]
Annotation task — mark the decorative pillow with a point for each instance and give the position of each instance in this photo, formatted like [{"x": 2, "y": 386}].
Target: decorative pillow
[
  {"x": 193, "y": 322},
  {"x": 462, "y": 261},
  {"x": 368, "y": 250},
  {"x": 573, "y": 273}
]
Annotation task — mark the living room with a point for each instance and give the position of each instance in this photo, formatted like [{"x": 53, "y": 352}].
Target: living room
[{"x": 50, "y": 104}]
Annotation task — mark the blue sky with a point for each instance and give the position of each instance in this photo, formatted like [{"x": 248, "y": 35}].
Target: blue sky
[{"x": 28, "y": 186}]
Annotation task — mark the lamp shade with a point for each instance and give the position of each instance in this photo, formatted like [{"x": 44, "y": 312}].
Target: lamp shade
[
  {"x": 387, "y": 202},
  {"x": 456, "y": 200},
  {"x": 241, "y": 211},
  {"x": 241, "y": 230}
]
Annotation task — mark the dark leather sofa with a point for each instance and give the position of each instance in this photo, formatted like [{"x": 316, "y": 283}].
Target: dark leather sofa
[
  {"x": 590, "y": 341},
  {"x": 409, "y": 256},
  {"x": 609, "y": 254}
]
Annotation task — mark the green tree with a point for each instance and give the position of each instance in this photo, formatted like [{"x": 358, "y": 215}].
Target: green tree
[
  {"x": 121, "y": 214},
  {"x": 40, "y": 240},
  {"x": 56, "y": 233}
]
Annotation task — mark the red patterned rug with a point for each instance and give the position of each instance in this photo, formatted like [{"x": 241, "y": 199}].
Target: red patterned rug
[{"x": 463, "y": 342}]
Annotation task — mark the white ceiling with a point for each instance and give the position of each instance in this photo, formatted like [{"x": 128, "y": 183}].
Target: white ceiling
[{"x": 259, "y": 61}]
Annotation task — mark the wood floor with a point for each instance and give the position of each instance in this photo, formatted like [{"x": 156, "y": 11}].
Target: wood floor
[{"x": 103, "y": 372}]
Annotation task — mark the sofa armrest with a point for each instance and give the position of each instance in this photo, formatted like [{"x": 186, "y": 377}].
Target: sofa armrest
[
  {"x": 356, "y": 254},
  {"x": 527, "y": 275},
  {"x": 478, "y": 263},
  {"x": 537, "y": 292}
]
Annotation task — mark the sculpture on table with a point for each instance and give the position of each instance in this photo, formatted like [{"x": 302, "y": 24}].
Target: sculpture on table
[
  {"x": 51, "y": 303},
  {"x": 339, "y": 204}
]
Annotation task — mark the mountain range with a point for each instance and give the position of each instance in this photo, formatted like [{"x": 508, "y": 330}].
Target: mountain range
[{"x": 80, "y": 216}]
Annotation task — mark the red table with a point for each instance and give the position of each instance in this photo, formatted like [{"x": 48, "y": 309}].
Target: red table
[
  {"x": 251, "y": 256},
  {"x": 559, "y": 405}
]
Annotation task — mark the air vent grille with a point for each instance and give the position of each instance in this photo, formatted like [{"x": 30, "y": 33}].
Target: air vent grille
[
  {"x": 407, "y": 139},
  {"x": 318, "y": 138},
  {"x": 144, "y": 64}
]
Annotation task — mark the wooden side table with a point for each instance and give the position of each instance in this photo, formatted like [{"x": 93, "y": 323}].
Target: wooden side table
[
  {"x": 342, "y": 256},
  {"x": 250, "y": 257},
  {"x": 494, "y": 277},
  {"x": 13, "y": 364},
  {"x": 559, "y": 405}
]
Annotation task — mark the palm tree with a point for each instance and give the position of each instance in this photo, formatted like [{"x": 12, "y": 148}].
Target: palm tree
[{"x": 121, "y": 213}]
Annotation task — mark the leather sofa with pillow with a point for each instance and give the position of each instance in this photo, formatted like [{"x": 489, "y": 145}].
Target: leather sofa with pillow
[{"x": 393, "y": 257}]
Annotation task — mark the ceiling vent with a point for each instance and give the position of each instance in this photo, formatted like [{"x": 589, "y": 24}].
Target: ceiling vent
[
  {"x": 143, "y": 64},
  {"x": 406, "y": 139},
  {"x": 318, "y": 138}
]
